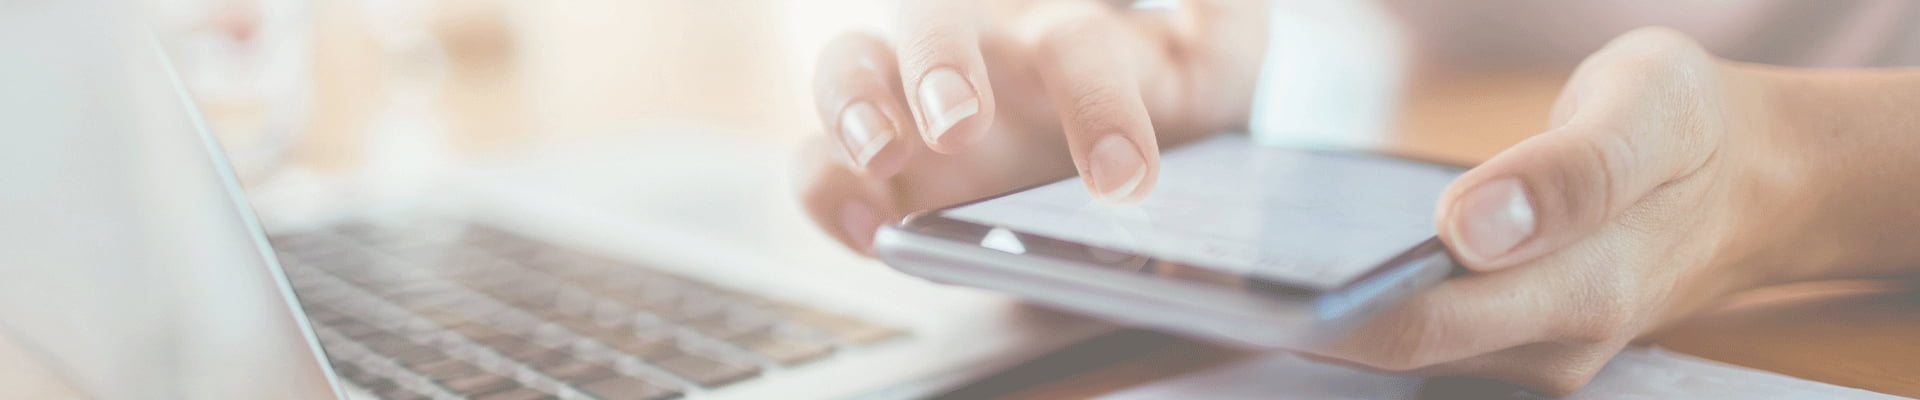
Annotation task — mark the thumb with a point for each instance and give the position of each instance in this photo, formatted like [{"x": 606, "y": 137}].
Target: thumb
[{"x": 1629, "y": 122}]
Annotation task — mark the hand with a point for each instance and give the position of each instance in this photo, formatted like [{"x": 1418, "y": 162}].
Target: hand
[
  {"x": 967, "y": 99},
  {"x": 1647, "y": 199}
]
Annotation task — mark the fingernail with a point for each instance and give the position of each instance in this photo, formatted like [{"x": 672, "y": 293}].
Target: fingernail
[
  {"x": 864, "y": 132},
  {"x": 1117, "y": 168},
  {"x": 1491, "y": 220},
  {"x": 859, "y": 221},
  {"x": 1156, "y": 5},
  {"x": 946, "y": 99}
]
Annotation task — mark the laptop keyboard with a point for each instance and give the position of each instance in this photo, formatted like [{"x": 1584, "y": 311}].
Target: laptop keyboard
[{"x": 476, "y": 312}]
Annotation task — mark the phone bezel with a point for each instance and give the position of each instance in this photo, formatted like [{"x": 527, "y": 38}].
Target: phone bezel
[
  {"x": 1287, "y": 310},
  {"x": 935, "y": 225},
  {"x": 920, "y": 222}
]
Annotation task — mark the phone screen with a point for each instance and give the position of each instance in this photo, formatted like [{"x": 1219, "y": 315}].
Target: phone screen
[{"x": 1316, "y": 220}]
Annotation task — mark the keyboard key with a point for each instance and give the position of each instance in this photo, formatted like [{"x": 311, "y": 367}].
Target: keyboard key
[
  {"x": 447, "y": 369},
  {"x": 842, "y": 327},
  {"x": 866, "y": 334},
  {"x": 580, "y": 269},
  {"x": 725, "y": 326},
  {"x": 384, "y": 342},
  {"x": 625, "y": 388},
  {"x": 587, "y": 328},
  {"x": 479, "y": 332},
  {"x": 448, "y": 318},
  {"x": 323, "y": 315},
  {"x": 386, "y": 319},
  {"x": 374, "y": 383},
  {"x": 364, "y": 379},
  {"x": 574, "y": 300},
  {"x": 417, "y": 355},
  {"x": 681, "y": 314},
  {"x": 706, "y": 371},
  {"x": 400, "y": 393},
  {"x": 649, "y": 348},
  {"x": 540, "y": 357},
  {"x": 578, "y": 371},
  {"x": 349, "y": 371},
  {"x": 478, "y": 384},
  {"x": 424, "y": 299},
  {"x": 517, "y": 394},
  {"x": 783, "y": 350},
  {"x": 630, "y": 298},
  {"x": 510, "y": 345},
  {"x": 469, "y": 308},
  {"x": 353, "y": 328},
  {"x": 529, "y": 298},
  {"x": 401, "y": 350}
]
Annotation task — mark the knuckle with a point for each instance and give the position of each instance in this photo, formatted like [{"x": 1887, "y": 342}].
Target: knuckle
[
  {"x": 1659, "y": 45},
  {"x": 1095, "y": 105},
  {"x": 934, "y": 45},
  {"x": 853, "y": 65},
  {"x": 1653, "y": 57},
  {"x": 1062, "y": 26},
  {"x": 1655, "y": 37},
  {"x": 1599, "y": 326},
  {"x": 1074, "y": 29},
  {"x": 1582, "y": 187},
  {"x": 1610, "y": 304},
  {"x": 852, "y": 52},
  {"x": 1612, "y": 155},
  {"x": 848, "y": 43}
]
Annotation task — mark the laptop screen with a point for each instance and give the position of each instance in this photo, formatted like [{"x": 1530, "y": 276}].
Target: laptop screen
[{"x": 132, "y": 267}]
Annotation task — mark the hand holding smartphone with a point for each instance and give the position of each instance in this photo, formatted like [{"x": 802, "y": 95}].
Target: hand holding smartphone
[{"x": 1265, "y": 246}]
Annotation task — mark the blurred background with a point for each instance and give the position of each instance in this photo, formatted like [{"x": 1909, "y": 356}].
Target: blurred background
[
  {"x": 331, "y": 87},
  {"x": 314, "y": 90}
]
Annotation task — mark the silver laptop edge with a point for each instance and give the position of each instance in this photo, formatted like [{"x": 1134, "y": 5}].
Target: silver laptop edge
[
  {"x": 218, "y": 156},
  {"x": 123, "y": 236}
]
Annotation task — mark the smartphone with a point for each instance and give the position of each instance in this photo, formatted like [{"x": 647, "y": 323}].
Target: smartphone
[{"x": 1265, "y": 246}]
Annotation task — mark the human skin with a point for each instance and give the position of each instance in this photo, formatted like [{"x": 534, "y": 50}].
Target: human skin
[
  {"x": 1668, "y": 178},
  {"x": 1051, "y": 80}
]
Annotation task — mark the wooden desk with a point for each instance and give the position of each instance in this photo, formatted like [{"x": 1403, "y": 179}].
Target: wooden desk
[{"x": 1857, "y": 334}]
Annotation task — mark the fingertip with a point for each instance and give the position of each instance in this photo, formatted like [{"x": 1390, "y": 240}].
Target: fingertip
[
  {"x": 858, "y": 223},
  {"x": 1489, "y": 222},
  {"x": 845, "y": 205},
  {"x": 1117, "y": 170},
  {"x": 870, "y": 139},
  {"x": 886, "y": 162},
  {"x": 953, "y": 110},
  {"x": 959, "y": 137}
]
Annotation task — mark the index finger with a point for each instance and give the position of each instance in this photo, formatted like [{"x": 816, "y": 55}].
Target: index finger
[
  {"x": 1092, "y": 82},
  {"x": 944, "y": 73}
]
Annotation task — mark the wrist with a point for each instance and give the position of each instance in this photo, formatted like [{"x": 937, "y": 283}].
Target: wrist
[{"x": 1828, "y": 188}]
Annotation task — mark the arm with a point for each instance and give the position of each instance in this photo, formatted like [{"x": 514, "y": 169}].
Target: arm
[
  {"x": 1852, "y": 141},
  {"x": 1669, "y": 178}
]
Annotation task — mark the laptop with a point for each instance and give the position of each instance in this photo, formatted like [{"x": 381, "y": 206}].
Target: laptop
[{"x": 136, "y": 267}]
